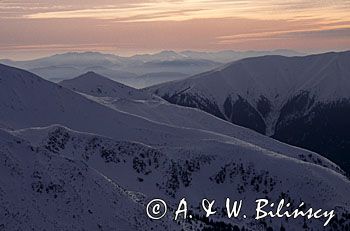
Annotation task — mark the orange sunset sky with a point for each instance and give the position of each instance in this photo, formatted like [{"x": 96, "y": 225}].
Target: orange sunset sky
[{"x": 36, "y": 28}]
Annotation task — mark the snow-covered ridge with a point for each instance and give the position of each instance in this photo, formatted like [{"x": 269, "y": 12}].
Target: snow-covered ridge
[
  {"x": 160, "y": 111},
  {"x": 134, "y": 151},
  {"x": 42, "y": 190},
  {"x": 205, "y": 168},
  {"x": 303, "y": 101},
  {"x": 277, "y": 78},
  {"x": 265, "y": 83},
  {"x": 97, "y": 85}
]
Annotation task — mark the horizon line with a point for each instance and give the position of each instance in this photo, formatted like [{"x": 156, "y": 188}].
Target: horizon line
[{"x": 132, "y": 54}]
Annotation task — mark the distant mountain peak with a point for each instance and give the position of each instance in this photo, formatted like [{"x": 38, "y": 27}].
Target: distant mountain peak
[
  {"x": 168, "y": 52},
  {"x": 94, "y": 84},
  {"x": 92, "y": 74},
  {"x": 84, "y": 53}
]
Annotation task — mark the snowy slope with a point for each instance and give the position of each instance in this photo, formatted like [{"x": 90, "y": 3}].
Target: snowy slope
[
  {"x": 275, "y": 78},
  {"x": 205, "y": 168},
  {"x": 29, "y": 101},
  {"x": 160, "y": 111},
  {"x": 155, "y": 158},
  {"x": 274, "y": 94},
  {"x": 40, "y": 190}
]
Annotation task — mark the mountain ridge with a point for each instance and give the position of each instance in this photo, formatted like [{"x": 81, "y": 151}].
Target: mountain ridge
[
  {"x": 97, "y": 85},
  {"x": 254, "y": 92},
  {"x": 200, "y": 169},
  {"x": 136, "y": 70},
  {"x": 76, "y": 135}
]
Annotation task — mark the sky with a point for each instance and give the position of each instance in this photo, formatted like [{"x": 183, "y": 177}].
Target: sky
[{"x": 31, "y": 28}]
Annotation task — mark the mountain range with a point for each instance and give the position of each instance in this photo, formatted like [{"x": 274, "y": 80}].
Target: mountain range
[
  {"x": 136, "y": 71},
  {"x": 89, "y": 153},
  {"x": 303, "y": 101}
]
